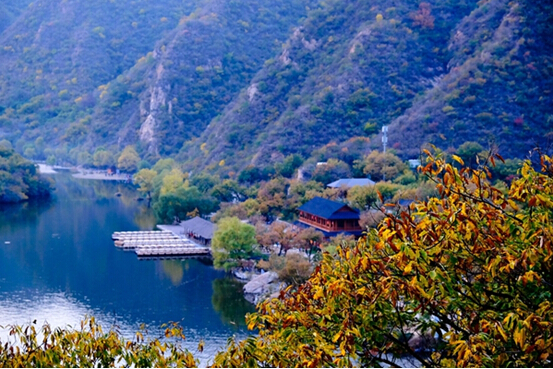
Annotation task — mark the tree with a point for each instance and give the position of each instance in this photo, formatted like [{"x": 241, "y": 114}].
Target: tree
[
  {"x": 362, "y": 197},
  {"x": 145, "y": 179},
  {"x": 164, "y": 164},
  {"x": 204, "y": 181},
  {"x": 468, "y": 151},
  {"x": 272, "y": 196},
  {"x": 463, "y": 280},
  {"x": 285, "y": 235},
  {"x": 19, "y": 179},
  {"x": 84, "y": 159},
  {"x": 232, "y": 242},
  {"x": 129, "y": 159},
  {"x": 51, "y": 160},
  {"x": 371, "y": 218},
  {"x": 90, "y": 346},
  {"x": 387, "y": 190},
  {"x": 423, "y": 16},
  {"x": 333, "y": 169},
  {"x": 383, "y": 166},
  {"x": 172, "y": 181},
  {"x": 103, "y": 159},
  {"x": 228, "y": 191},
  {"x": 296, "y": 270},
  {"x": 310, "y": 239},
  {"x": 289, "y": 165},
  {"x": 177, "y": 205},
  {"x": 250, "y": 174}
]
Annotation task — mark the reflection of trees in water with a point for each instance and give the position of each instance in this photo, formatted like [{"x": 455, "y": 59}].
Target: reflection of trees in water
[
  {"x": 145, "y": 218},
  {"x": 23, "y": 213},
  {"x": 174, "y": 270},
  {"x": 86, "y": 189},
  {"x": 228, "y": 300}
]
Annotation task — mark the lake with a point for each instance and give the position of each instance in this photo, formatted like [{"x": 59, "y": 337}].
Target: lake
[{"x": 58, "y": 264}]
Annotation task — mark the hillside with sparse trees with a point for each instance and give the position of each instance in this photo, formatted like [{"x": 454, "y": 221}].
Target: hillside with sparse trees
[{"x": 224, "y": 85}]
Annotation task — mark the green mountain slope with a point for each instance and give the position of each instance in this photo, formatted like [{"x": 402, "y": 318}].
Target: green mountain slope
[
  {"x": 227, "y": 84},
  {"x": 57, "y": 53},
  {"x": 498, "y": 89},
  {"x": 440, "y": 72},
  {"x": 171, "y": 95},
  {"x": 10, "y": 10},
  {"x": 350, "y": 68},
  {"x": 78, "y": 75}
]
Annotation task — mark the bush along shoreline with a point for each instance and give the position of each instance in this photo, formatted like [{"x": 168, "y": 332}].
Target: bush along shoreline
[{"x": 20, "y": 179}]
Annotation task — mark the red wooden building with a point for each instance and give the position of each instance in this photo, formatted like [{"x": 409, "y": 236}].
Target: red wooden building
[{"x": 330, "y": 217}]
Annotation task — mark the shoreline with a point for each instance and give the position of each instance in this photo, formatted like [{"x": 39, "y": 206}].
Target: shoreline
[
  {"x": 102, "y": 176},
  {"x": 85, "y": 174}
]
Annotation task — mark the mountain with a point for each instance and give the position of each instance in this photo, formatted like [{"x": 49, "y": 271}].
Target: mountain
[
  {"x": 10, "y": 10},
  {"x": 56, "y": 54},
  {"x": 497, "y": 88},
  {"x": 221, "y": 85},
  {"x": 77, "y": 74},
  {"x": 443, "y": 72},
  {"x": 171, "y": 95}
]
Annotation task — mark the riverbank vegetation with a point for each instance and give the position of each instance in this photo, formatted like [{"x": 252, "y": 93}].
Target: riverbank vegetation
[
  {"x": 19, "y": 178},
  {"x": 260, "y": 196},
  {"x": 462, "y": 279}
]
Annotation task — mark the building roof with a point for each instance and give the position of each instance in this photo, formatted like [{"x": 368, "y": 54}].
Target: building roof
[
  {"x": 200, "y": 227},
  {"x": 350, "y": 182},
  {"x": 404, "y": 202},
  {"x": 329, "y": 209}
]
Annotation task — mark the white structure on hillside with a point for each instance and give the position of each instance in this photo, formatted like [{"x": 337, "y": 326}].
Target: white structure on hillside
[{"x": 350, "y": 182}]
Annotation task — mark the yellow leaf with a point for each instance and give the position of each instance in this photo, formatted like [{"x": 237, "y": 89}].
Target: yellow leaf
[
  {"x": 502, "y": 332},
  {"x": 458, "y": 159},
  {"x": 319, "y": 294}
]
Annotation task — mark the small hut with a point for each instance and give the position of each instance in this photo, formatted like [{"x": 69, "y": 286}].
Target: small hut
[{"x": 199, "y": 230}]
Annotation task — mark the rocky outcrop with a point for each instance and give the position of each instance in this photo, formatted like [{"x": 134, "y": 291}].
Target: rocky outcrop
[{"x": 262, "y": 286}]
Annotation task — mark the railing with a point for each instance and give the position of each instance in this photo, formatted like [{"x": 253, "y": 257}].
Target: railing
[{"x": 327, "y": 228}]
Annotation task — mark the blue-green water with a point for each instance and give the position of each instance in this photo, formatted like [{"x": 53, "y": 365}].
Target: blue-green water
[{"x": 58, "y": 264}]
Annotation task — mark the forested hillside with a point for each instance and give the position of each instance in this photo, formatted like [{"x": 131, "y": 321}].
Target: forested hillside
[
  {"x": 78, "y": 75},
  {"x": 57, "y": 53},
  {"x": 226, "y": 84},
  {"x": 172, "y": 93},
  {"x": 498, "y": 85},
  {"x": 444, "y": 72},
  {"x": 9, "y": 11}
]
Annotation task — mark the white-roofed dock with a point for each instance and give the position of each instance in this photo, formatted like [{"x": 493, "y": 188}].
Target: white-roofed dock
[{"x": 170, "y": 241}]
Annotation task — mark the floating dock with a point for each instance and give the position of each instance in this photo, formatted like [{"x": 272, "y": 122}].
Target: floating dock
[{"x": 158, "y": 244}]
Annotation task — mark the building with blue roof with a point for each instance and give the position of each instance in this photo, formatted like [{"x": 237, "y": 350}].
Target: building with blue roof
[{"x": 329, "y": 217}]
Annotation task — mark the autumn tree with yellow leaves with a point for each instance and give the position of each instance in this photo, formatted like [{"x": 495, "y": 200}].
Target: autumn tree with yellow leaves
[
  {"x": 468, "y": 275},
  {"x": 90, "y": 346}
]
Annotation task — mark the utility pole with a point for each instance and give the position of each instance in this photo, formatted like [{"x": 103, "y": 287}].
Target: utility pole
[{"x": 384, "y": 137}]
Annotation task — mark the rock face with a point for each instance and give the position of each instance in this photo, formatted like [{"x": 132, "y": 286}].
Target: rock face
[{"x": 262, "y": 286}]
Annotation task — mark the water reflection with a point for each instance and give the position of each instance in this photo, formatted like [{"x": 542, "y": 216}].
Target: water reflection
[
  {"x": 144, "y": 217},
  {"x": 61, "y": 264},
  {"x": 173, "y": 269},
  {"x": 16, "y": 215},
  {"x": 56, "y": 309},
  {"x": 228, "y": 300}
]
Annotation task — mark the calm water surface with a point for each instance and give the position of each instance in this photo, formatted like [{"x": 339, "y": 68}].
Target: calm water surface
[{"x": 60, "y": 264}]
